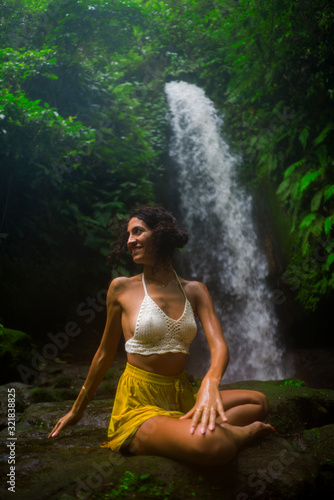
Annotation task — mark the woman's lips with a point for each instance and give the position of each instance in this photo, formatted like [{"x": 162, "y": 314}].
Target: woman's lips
[{"x": 135, "y": 250}]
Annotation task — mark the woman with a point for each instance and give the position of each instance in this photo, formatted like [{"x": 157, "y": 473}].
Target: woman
[{"x": 155, "y": 411}]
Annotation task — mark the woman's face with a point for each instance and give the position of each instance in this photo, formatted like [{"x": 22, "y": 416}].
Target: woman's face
[{"x": 138, "y": 244}]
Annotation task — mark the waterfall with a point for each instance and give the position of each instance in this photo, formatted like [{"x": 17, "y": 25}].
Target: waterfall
[{"x": 222, "y": 251}]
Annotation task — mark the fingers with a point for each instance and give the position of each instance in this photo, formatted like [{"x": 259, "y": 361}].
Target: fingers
[
  {"x": 188, "y": 415},
  {"x": 55, "y": 431},
  {"x": 57, "y": 428},
  {"x": 222, "y": 414},
  {"x": 205, "y": 417},
  {"x": 213, "y": 415},
  {"x": 195, "y": 420}
]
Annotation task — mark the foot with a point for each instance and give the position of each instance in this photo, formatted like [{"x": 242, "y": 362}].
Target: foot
[{"x": 248, "y": 433}]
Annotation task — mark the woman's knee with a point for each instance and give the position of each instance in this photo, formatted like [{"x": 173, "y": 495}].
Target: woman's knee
[{"x": 263, "y": 402}]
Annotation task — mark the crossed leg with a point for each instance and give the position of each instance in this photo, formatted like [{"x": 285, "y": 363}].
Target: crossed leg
[
  {"x": 170, "y": 437},
  {"x": 242, "y": 407}
]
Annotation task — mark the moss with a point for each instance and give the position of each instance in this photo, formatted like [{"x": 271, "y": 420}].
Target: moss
[
  {"x": 293, "y": 382},
  {"x": 293, "y": 406},
  {"x": 45, "y": 395},
  {"x": 62, "y": 381},
  {"x": 42, "y": 395},
  {"x": 320, "y": 443},
  {"x": 65, "y": 394},
  {"x": 146, "y": 486},
  {"x": 15, "y": 349},
  {"x": 111, "y": 373}
]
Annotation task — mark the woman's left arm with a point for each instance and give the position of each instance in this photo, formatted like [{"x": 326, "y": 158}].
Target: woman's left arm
[{"x": 209, "y": 404}]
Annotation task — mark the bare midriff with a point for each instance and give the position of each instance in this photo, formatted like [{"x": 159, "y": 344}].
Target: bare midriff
[{"x": 170, "y": 363}]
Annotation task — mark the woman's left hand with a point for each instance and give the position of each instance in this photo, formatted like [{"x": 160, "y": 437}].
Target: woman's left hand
[{"x": 207, "y": 408}]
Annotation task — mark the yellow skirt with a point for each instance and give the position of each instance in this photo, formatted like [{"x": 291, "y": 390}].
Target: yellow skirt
[{"x": 141, "y": 395}]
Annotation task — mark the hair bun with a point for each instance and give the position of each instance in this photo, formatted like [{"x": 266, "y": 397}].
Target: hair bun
[{"x": 171, "y": 234}]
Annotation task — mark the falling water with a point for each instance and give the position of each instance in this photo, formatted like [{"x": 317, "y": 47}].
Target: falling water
[{"x": 222, "y": 250}]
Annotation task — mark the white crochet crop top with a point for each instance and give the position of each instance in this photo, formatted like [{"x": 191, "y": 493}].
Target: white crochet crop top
[{"x": 157, "y": 333}]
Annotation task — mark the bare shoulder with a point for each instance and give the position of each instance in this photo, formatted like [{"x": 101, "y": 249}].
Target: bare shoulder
[
  {"x": 121, "y": 285},
  {"x": 195, "y": 290},
  {"x": 200, "y": 298}
]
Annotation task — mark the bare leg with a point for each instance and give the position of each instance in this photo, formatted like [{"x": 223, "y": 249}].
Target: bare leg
[
  {"x": 242, "y": 407},
  {"x": 170, "y": 437}
]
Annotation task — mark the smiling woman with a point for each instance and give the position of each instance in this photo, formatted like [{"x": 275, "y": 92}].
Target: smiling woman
[
  {"x": 155, "y": 411},
  {"x": 138, "y": 242},
  {"x": 165, "y": 234}
]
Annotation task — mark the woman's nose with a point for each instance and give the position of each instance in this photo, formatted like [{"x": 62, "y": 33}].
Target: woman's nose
[{"x": 131, "y": 239}]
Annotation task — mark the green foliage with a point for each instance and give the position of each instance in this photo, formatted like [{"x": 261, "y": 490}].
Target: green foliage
[
  {"x": 81, "y": 139},
  {"x": 138, "y": 486},
  {"x": 83, "y": 129},
  {"x": 268, "y": 65},
  {"x": 294, "y": 382}
]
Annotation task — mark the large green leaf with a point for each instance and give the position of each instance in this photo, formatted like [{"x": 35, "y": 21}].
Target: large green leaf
[
  {"x": 323, "y": 134},
  {"x": 322, "y": 155},
  {"x": 292, "y": 167},
  {"x": 308, "y": 178},
  {"x": 284, "y": 189},
  {"x": 329, "y": 191},
  {"x": 307, "y": 220},
  {"x": 303, "y": 136},
  {"x": 329, "y": 261},
  {"x": 316, "y": 200},
  {"x": 329, "y": 224}
]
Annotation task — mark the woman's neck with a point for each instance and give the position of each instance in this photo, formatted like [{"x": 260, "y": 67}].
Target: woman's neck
[{"x": 163, "y": 275}]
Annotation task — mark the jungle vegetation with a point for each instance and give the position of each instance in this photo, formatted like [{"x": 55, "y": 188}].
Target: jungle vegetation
[{"x": 84, "y": 135}]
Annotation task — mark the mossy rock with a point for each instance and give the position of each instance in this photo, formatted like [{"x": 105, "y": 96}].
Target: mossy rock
[
  {"x": 320, "y": 443},
  {"x": 295, "y": 462},
  {"x": 45, "y": 395},
  {"x": 15, "y": 350},
  {"x": 62, "y": 381},
  {"x": 293, "y": 406}
]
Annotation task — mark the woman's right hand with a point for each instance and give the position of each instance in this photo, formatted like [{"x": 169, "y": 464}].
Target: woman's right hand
[{"x": 69, "y": 419}]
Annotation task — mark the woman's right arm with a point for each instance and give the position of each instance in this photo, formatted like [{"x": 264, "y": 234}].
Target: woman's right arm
[{"x": 102, "y": 360}]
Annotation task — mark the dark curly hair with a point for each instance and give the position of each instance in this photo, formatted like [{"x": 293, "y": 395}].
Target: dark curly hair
[{"x": 166, "y": 237}]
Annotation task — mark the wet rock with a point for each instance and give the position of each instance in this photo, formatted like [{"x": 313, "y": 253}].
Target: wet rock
[
  {"x": 62, "y": 381},
  {"x": 297, "y": 462},
  {"x": 22, "y": 400},
  {"x": 293, "y": 406}
]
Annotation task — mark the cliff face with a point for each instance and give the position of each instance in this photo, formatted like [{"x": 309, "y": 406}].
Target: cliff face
[
  {"x": 296, "y": 462},
  {"x": 299, "y": 328}
]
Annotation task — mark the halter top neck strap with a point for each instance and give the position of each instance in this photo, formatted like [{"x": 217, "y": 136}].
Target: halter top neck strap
[
  {"x": 177, "y": 278},
  {"x": 144, "y": 284}
]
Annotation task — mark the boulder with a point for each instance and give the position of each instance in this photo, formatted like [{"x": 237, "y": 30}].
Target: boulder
[
  {"x": 15, "y": 351},
  {"x": 297, "y": 462}
]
